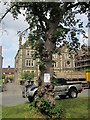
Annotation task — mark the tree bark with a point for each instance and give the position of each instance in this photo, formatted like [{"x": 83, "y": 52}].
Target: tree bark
[{"x": 46, "y": 90}]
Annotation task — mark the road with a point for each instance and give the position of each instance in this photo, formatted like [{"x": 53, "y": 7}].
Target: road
[
  {"x": 84, "y": 93},
  {"x": 13, "y": 95}
]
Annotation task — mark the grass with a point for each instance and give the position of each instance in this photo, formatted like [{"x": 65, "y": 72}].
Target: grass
[
  {"x": 1, "y": 82},
  {"x": 20, "y": 111},
  {"x": 73, "y": 108}
]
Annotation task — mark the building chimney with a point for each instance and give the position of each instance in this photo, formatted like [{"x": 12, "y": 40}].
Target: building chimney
[
  {"x": 8, "y": 66},
  {"x": 20, "y": 40}
]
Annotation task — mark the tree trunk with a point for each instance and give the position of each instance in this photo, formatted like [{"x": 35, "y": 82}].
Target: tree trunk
[{"x": 46, "y": 90}]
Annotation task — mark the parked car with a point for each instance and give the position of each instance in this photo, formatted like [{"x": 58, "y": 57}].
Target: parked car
[
  {"x": 62, "y": 89},
  {"x": 29, "y": 91},
  {"x": 65, "y": 88}
]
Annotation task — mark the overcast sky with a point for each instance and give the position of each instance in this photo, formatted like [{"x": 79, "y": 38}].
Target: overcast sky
[{"x": 9, "y": 37}]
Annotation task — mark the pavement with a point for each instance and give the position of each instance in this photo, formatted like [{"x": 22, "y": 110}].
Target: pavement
[
  {"x": 13, "y": 95},
  {"x": 84, "y": 93}
]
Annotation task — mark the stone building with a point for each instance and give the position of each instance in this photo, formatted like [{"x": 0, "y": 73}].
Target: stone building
[
  {"x": 82, "y": 59},
  {"x": 25, "y": 62},
  {"x": 1, "y": 62},
  {"x": 64, "y": 61}
]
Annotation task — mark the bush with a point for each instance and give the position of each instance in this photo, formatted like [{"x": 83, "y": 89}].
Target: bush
[
  {"x": 45, "y": 107},
  {"x": 11, "y": 79},
  {"x": 50, "y": 111},
  {"x": 57, "y": 112},
  {"x": 27, "y": 76}
]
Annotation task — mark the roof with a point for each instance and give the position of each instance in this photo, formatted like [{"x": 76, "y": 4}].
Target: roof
[{"x": 8, "y": 70}]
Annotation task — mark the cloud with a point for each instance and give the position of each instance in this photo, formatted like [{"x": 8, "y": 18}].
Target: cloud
[
  {"x": 8, "y": 61},
  {"x": 83, "y": 40},
  {"x": 10, "y": 47},
  {"x": 9, "y": 37},
  {"x": 83, "y": 18},
  {"x": 17, "y": 25}
]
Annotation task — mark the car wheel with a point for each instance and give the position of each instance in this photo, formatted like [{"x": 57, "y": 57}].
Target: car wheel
[
  {"x": 30, "y": 99},
  {"x": 62, "y": 96},
  {"x": 73, "y": 93}
]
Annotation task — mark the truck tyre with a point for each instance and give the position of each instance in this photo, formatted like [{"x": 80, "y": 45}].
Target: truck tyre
[
  {"x": 62, "y": 96},
  {"x": 73, "y": 93},
  {"x": 30, "y": 99}
]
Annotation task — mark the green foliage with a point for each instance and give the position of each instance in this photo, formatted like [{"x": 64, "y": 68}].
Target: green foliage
[
  {"x": 3, "y": 76},
  {"x": 1, "y": 82},
  {"x": 50, "y": 111},
  {"x": 27, "y": 76},
  {"x": 58, "y": 112},
  {"x": 86, "y": 70},
  {"x": 73, "y": 108},
  {"x": 11, "y": 78},
  {"x": 54, "y": 81},
  {"x": 58, "y": 17},
  {"x": 45, "y": 107}
]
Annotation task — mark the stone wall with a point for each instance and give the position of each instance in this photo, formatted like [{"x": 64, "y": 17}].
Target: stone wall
[{"x": 71, "y": 75}]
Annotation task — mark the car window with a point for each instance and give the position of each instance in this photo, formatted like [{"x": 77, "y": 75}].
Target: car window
[{"x": 61, "y": 81}]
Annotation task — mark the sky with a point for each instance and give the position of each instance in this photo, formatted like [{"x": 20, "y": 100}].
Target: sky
[{"x": 9, "y": 37}]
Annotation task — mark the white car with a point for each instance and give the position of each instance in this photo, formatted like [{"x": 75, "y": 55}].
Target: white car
[{"x": 29, "y": 92}]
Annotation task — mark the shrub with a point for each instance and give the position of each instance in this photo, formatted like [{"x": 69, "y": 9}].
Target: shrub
[
  {"x": 57, "y": 112},
  {"x": 27, "y": 75},
  {"x": 45, "y": 107},
  {"x": 50, "y": 111}
]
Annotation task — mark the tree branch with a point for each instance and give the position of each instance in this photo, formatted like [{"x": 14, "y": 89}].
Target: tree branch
[
  {"x": 71, "y": 6},
  {"x": 8, "y": 10},
  {"x": 40, "y": 15},
  {"x": 23, "y": 31},
  {"x": 16, "y": 4},
  {"x": 78, "y": 3}
]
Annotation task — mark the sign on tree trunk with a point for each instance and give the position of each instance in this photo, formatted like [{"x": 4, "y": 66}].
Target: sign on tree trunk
[{"x": 47, "y": 77}]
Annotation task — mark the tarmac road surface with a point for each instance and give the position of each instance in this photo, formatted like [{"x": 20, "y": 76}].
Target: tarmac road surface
[
  {"x": 13, "y": 95},
  {"x": 84, "y": 93}
]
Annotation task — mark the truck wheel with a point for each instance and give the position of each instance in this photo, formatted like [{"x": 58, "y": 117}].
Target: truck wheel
[
  {"x": 30, "y": 99},
  {"x": 73, "y": 93},
  {"x": 62, "y": 96}
]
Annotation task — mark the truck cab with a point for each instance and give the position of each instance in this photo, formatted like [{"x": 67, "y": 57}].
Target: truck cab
[{"x": 65, "y": 88}]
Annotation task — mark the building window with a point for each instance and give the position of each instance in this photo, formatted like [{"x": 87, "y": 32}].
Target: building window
[
  {"x": 29, "y": 63},
  {"x": 67, "y": 64},
  {"x": 32, "y": 71},
  {"x": 54, "y": 56},
  {"x": 54, "y": 64},
  {"x": 29, "y": 53}
]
